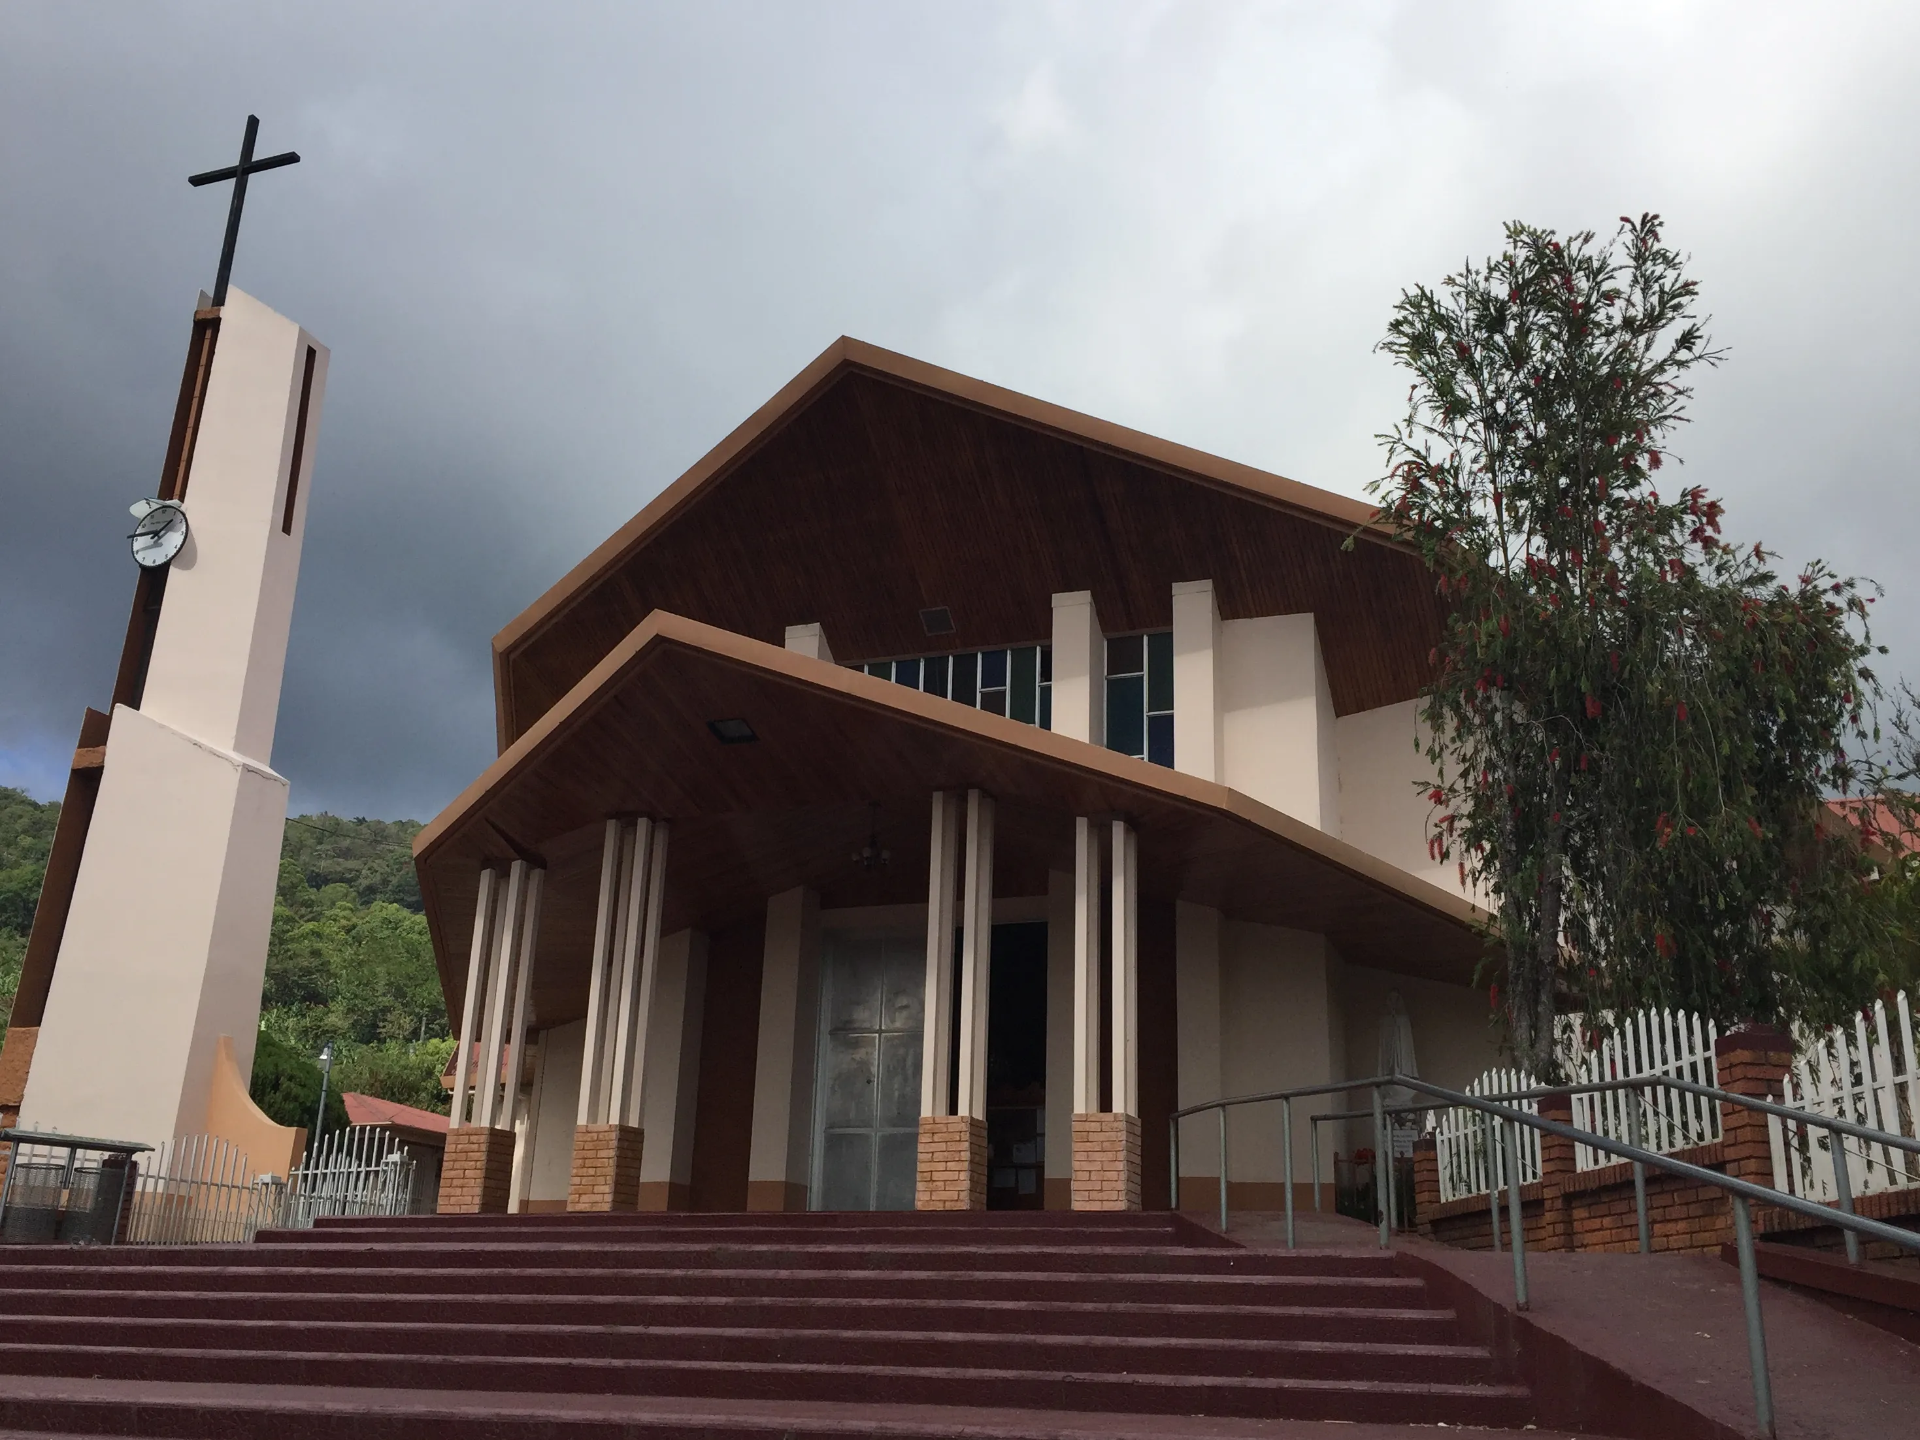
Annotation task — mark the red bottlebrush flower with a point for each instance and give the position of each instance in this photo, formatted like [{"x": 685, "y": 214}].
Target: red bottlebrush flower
[
  {"x": 1693, "y": 829},
  {"x": 1554, "y": 757},
  {"x": 1663, "y": 830},
  {"x": 1460, "y": 349},
  {"x": 1583, "y": 762},
  {"x": 1493, "y": 996},
  {"x": 1463, "y": 874},
  {"x": 1556, "y": 818},
  {"x": 1664, "y": 944},
  {"x": 1754, "y": 825},
  {"x": 1682, "y": 712},
  {"x": 1437, "y": 796},
  {"x": 1505, "y": 628},
  {"x": 1653, "y": 459},
  {"x": 1593, "y": 707},
  {"x": 1613, "y": 661}
]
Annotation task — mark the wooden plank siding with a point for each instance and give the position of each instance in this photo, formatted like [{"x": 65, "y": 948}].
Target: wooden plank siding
[{"x": 875, "y": 486}]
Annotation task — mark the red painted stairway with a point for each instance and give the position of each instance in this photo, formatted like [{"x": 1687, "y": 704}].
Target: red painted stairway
[{"x": 726, "y": 1325}]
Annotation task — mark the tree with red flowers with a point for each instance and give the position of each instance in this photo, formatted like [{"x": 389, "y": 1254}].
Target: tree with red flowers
[{"x": 1635, "y": 726}]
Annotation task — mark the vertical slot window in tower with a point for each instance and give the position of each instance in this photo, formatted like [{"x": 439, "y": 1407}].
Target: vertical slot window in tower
[
  {"x": 1046, "y": 687},
  {"x": 1140, "y": 696},
  {"x": 993, "y": 681}
]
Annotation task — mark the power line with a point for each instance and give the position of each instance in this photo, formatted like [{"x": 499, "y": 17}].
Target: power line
[{"x": 350, "y": 835}]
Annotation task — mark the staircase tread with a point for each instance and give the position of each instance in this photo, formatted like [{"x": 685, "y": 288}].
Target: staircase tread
[
  {"x": 1385, "y": 1348},
  {"x": 800, "y": 1417},
  {"x": 971, "y": 1374}
]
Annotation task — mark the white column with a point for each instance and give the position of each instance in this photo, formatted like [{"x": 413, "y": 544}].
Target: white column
[
  {"x": 528, "y": 1146},
  {"x": 936, "y": 1055},
  {"x": 514, "y": 1043},
  {"x": 1079, "y": 669},
  {"x": 1126, "y": 986},
  {"x": 1197, "y": 748},
  {"x": 809, "y": 640},
  {"x": 470, "y": 1006},
  {"x": 633, "y": 913},
  {"x": 506, "y": 939},
  {"x": 604, "y": 924},
  {"x": 1086, "y": 967},
  {"x": 976, "y": 956},
  {"x": 630, "y": 1112}
]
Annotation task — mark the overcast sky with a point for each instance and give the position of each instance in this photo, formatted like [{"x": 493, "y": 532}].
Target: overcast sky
[{"x": 559, "y": 250}]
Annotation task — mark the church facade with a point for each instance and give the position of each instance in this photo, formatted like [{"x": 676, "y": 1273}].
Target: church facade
[{"x": 920, "y": 800}]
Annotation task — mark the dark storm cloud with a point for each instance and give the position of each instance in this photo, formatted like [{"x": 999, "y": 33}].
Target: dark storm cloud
[{"x": 560, "y": 252}]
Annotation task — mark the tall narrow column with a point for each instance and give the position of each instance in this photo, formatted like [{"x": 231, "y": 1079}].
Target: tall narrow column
[
  {"x": 470, "y": 1004},
  {"x": 1106, "y": 1144},
  {"x": 477, "y": 1173},
  {"x": 1086, "y": 967},
  {"x": 940, "y": 1180},
  {"x": 953, "y": 1163},
  {"x": 605, "y": 1170}
]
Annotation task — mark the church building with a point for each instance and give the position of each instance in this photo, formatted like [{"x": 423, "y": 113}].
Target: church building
[{"x": 921, "y": 799}]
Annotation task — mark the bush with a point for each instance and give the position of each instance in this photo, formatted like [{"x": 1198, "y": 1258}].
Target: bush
[{"x": 286, "y": 1084}]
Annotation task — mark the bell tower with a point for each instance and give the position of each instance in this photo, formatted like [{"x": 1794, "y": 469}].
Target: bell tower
[{"x": 150, "y": 940}]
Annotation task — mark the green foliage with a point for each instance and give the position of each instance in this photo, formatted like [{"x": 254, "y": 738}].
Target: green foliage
[
  {"x": 286, "y": 1084},
  {"x": 26, "y": 834},
  {"x": 1634, "y": 725},
  {"x": 350, "y": 962}
]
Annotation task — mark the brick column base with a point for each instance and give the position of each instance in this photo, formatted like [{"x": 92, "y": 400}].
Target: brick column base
[
  {"x": 1106, "y": 1162},
  {"x": 952, "y": 1173},
  {"x": 477, "y": 1173},
  {"x": 606, "y": 1168},
  {"x": 1426, "y": 1182}
]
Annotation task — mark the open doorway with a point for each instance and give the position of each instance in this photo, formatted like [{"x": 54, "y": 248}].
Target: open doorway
[{"x": 1017, "y": 1068}]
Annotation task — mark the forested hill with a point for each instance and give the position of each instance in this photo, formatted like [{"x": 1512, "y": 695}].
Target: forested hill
[{"x": 349, "y": 962}]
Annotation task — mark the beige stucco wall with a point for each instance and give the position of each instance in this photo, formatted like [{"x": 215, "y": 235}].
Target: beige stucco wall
[
  {"x": 1276, "y": 717},
  {"x": 671, "y": 1085},
  {"x": 561, "y": 1050},
  {"x": 1452, "y": 1041},
  {"x": 1281, "y": 1026},
  {"x": 221, "y": 646},
  {"x": 166, "y": 946}
]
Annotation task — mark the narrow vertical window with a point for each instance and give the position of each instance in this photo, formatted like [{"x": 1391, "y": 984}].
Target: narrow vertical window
[
  {"x": 907, "y": 673},
  {"x": 993, "y": 681},
  {"x": 299, "y": 443},
  {"x": 1140, "y": 696},
  {"x": 1023, "y": 684},
  {"x": 966, "y": 680},
  {"x": 1046, "y": 687},
  {"x": 933, "y": 674}
]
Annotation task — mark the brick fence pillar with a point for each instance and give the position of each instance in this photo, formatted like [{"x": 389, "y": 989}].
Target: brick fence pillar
[
  {"x": 1426, "y": 1182},
  {"x": 477, "y": 1173},
  {"x": 952, "y": 1170},
  {"x": 605, "y": 1174},
  {"x": 1106, "y": 1162},
  {"x": 1751, "y": 1060},
  {"x": 1556, "y": 1175}
]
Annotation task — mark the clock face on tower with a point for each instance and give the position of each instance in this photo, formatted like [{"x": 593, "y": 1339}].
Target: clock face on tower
[{"x": 160, "y": 529}]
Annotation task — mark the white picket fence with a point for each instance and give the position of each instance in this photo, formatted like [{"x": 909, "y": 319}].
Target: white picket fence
[
  {"x": 200, "y": 1190},
  {"x": 1869, "y": 1077},
  {"x": 1473, "y": 1158},
  {"x": 1672, "y": 1043},
  {"x": 1651, "y": 1042}
]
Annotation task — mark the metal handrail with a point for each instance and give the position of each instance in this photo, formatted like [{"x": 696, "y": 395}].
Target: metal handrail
[{"x": 1741, "y": 1192}]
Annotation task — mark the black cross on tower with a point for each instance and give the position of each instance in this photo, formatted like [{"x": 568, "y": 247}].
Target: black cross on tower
[{"x": 238, "y": 174}]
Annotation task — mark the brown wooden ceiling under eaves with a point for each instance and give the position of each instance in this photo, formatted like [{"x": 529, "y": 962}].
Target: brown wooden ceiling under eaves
[{"x": 886, "y": 487}]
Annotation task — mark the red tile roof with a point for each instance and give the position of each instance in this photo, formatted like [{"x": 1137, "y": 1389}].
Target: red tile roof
[{"x": 371, "y": 1110}]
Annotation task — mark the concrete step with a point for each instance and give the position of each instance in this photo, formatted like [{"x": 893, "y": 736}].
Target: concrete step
[
  {"x": 586, "y": 1254},
  {"x": 1379, "y": 1400},
  {"x": 1390, "y": 1291},
  {"x": 1051, "y": 1317},
  {"x": 1015, "y": 1350},
  {"x": 80, "y": 1408},
  {"x": 906, "y": 1228}
]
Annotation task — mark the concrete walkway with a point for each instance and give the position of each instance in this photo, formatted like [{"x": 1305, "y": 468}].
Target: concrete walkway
[{"x": 1674, "y": 1323}]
